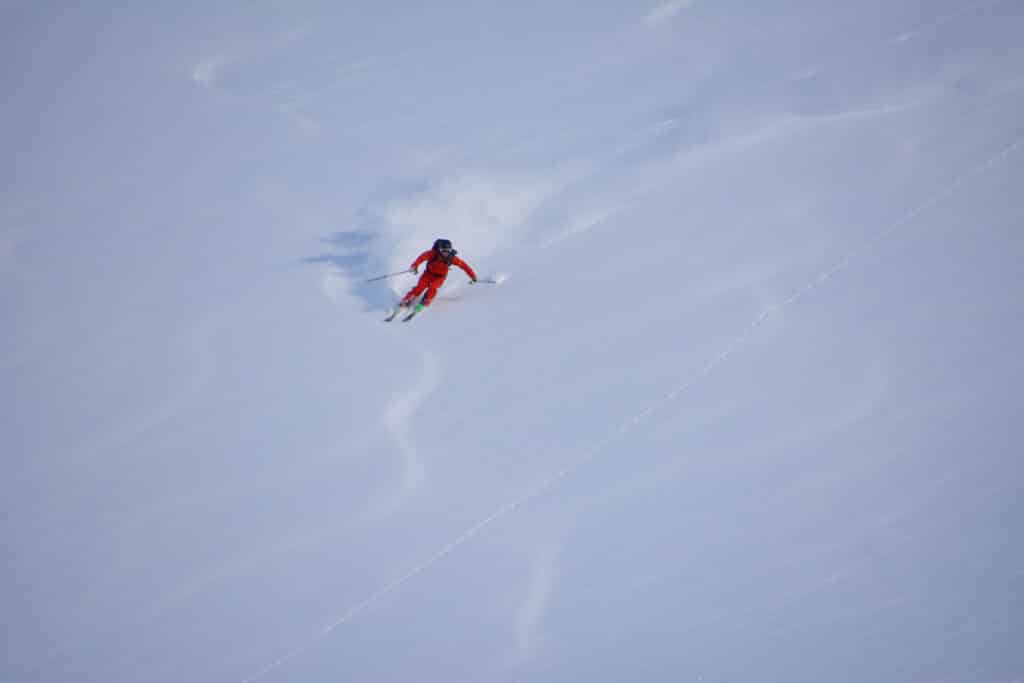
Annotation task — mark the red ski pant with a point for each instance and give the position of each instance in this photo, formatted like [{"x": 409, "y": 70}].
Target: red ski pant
[{"x": 429, "y": 282}]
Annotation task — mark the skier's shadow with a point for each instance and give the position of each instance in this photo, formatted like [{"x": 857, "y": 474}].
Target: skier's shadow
[{"x": 354, "y": 255}]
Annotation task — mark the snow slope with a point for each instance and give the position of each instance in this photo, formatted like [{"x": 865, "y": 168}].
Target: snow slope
[{"x": 745, "y": 407}]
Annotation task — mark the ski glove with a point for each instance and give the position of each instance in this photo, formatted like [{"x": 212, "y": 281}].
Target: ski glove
[{"x": 414, "y": 271}]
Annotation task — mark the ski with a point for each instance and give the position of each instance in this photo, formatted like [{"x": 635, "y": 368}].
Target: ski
[
  {"x": 416, "y": 309},
  {"x": 399, "y": 307}
]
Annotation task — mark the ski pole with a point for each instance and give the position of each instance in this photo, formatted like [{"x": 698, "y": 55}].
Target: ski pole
[
  {"x": 384, "y": 277},
  {"x": 487, "y": 281}
]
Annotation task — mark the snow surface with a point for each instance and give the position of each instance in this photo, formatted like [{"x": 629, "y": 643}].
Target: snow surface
[{"x": 746, "y": 407}]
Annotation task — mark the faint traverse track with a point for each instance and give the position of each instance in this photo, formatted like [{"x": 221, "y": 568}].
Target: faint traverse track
[
  {"x": 945, "y": 19},
  {"x": 867, "y": 246}
]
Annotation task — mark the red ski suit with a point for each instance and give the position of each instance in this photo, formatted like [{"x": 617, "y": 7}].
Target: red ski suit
[{"x": 433, "y": 275}]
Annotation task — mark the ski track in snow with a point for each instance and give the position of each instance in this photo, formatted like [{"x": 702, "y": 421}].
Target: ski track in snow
[
  {"x": 10, "y": 239},
  {"x": 665, "y": 12},
  {"x": 543, "y": 577},
  {"x": 198, "y": 344},
  {"x": 397, "y": 421},
  {"x": 868, "y": 246},
  {"x": 583, "y": 222},
  {"x": 944, "y": 19}
]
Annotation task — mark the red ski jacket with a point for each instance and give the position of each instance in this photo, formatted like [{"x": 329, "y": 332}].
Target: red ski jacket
[{"x": 438, "y": 267}]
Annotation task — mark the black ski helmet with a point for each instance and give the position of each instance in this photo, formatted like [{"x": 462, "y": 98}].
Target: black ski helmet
[{"x": 442, "y": 245}]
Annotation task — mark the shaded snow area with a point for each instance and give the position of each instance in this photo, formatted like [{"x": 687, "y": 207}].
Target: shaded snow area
[{"x": 745, "y": 406}]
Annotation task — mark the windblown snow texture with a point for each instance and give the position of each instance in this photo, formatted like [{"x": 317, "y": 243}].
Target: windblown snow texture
[{"x": 744, "y": 405}]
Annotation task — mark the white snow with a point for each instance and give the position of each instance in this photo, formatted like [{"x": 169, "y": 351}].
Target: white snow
[
  {"x": 665, "y": 11},
  {"x": 743, "y": 404}
]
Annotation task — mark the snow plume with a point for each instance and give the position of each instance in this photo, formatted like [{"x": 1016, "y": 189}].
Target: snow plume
[{"x": 480, "y": 212}]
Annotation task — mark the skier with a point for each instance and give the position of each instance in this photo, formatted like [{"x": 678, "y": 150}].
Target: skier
[{"x": 439, "y": 259}]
